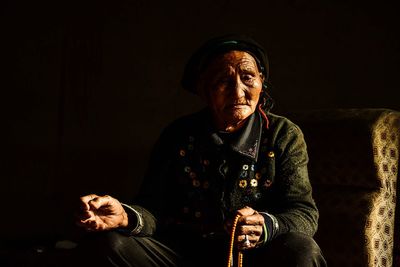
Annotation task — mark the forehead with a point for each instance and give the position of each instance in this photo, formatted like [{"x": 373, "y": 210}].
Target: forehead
[{"x": 232, "y": 59}]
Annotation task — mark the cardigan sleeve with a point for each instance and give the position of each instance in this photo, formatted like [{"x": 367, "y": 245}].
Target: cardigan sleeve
[{"x": 297, "y": 211}]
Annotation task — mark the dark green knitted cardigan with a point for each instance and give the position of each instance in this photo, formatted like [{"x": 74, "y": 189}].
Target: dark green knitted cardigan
[{"x": 197, "y": 179}]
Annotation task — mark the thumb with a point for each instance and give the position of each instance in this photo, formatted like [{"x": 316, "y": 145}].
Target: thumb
[
  {"x": 246, "y": 211},
  {"x": 98, "y": 202}
]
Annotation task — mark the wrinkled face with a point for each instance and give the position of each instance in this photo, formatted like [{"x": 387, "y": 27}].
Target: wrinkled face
[{"x": 231, "y": 87}]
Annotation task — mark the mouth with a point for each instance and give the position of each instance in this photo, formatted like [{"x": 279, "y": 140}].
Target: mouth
[{"x": 236, "y": 106}]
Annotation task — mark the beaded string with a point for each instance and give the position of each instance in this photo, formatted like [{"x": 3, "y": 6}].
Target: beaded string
[{"x": 231, "y": 246}]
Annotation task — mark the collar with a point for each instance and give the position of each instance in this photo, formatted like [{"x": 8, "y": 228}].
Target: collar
[{"x": 245, "y": 141}]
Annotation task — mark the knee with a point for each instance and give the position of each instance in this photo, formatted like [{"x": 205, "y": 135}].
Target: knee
[
  {"x": 301, "y": 250},
  {"x": 96, "y": 249},
  {"x": 291, "y": 249},
  {"x": 300, "y": 244},
  {"x": 112, "y": 242}
]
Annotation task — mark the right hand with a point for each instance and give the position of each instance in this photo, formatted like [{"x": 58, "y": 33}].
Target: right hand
[{"x": 99, "y": 213}]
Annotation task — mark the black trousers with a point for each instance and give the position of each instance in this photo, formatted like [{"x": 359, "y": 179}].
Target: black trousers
[{"x": 114, "y": 249}]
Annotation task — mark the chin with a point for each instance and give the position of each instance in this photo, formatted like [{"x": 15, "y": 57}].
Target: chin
[
  {"x": 236, "y": 117},
  {"x": 241, "y": 114}
]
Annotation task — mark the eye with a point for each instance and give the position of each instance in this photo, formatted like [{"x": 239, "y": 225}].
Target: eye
[
  {"x": 247, "y": 78},
  {"x": 222, "y": 81}
]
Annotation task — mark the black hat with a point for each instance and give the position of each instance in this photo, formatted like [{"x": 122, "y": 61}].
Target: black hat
[{"x": 219, "y": 45}]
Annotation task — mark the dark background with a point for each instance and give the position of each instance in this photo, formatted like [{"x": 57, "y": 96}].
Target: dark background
[{"x": 87, "y": 86}]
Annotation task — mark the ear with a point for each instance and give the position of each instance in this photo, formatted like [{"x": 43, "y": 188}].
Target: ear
[
  {"x": 262, "y": 77},
  {"x": 264, "y": 84}
]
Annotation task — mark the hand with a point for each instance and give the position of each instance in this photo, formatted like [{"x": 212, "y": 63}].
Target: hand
[
  {"x": 250, "y": 224},
  {"x": 99, "y": 213}
]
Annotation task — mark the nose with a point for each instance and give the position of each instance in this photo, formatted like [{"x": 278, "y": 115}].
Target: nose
[{"x": 238, "y": 90}]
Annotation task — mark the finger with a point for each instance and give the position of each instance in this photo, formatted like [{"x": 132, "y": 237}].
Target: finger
[
  {"x": 98, "y": 225},
  {"x": 84, "y": 215},
  {"x": 246, "y": 211},
  {"x": 99, "y": 202},
  {"x": 254, "y": 219},
  {"x": 88, "y": 225},
  {"x": 251, "y": 230},
  {"x": 85, "y": 201},
  {"x": 87, "y": 198},
  {"x": 101, "y": 226},
  {"x": 245, "y": 242},
  {"x": 82, "y": 223}
]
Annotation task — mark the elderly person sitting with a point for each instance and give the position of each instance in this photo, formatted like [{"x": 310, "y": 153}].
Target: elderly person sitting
[{"x": 228, "y": 180}]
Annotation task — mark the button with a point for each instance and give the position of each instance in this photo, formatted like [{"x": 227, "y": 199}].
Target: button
[
  {"x": 245, "y": 167},
  {"x": 192, "y": 175},
  {"x": 253, "y": 182},
  {"x": 267, "y": 183},
  {"x": 243, "y": 174},
  {"x": 252, "y": 167},
  {"x": 206, "y": 162},
  {"x": 271, "y": 154},
  {"x": 187, "y": 169},
  {"x": 196, "y": 183},
  {"x": 258, "y": 175},
  {"x": 182, "y": 152},
  {"x": 206, "y": 185},
  {"x": 197, "y": 214},
  {"x": 242, "y": 183}
]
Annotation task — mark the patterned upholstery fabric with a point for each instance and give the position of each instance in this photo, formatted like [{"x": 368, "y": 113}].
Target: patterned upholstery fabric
[{"x": 354, "y": 159}]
